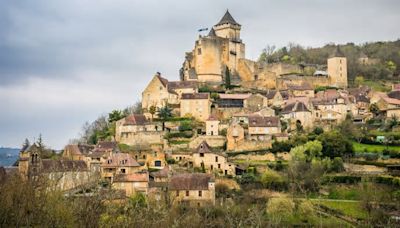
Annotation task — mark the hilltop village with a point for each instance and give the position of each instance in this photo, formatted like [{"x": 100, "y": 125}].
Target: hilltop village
[{"x": 224, "y": 119}]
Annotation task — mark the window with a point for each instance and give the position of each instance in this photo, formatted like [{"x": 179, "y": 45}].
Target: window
[
  {"x": 200, "y": 193},
  {"x": 160, "y": 87},
  {"x": 144, "y": 156},
  {"x": 123, "y": 171},
  {"x": 212, "y": 167},
  {"x": 157, "y": 163},
  {"x": 201, "y": 154},
  {"x": 199, "y": 51},
  {"x": 216, "y": 158},
  {"x": 177, "y": 193},
  {"x": 187, "y": 193},
  {"x": 219, "y": 166}
]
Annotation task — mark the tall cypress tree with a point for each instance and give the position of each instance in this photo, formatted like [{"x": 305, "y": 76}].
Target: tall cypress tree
[{"x": 227, "y": 78}]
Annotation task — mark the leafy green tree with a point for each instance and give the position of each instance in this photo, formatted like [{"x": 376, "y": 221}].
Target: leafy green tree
[
  {"x": 152, "y": 111},
  {"x": 374, "y": 109},
  {"x": 164, "y": 113},
  {"x": 359, "y": 80},
  {"x": 335, "y": 144},
  {"x": 115, "y": 115}
]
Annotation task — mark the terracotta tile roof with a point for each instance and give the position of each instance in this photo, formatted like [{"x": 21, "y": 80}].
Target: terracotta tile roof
[
  {"x": 120, "y": 160},
  {"x": 235, "y": 96},
  {"x": 295, "y": 107},
  {"x": 260, "y": 121},
  {"x": 193, "y": 96},
  {"x": 212, "y": 118},
  {"x": 135, "y": 119},
  {"x": 49, "y": 165},
  {"x": 391, "y": 100},
  {"x": 132, "y": 177},
  {"x": 190, "y": 181}
]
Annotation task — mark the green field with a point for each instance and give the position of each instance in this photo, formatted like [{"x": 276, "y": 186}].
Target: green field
[
  {"x": 349, "y": 208},
  {"x": 360, "y": 148}
]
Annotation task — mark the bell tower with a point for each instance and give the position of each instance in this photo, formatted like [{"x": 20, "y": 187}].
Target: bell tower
[{"x": 337, "y": 69}]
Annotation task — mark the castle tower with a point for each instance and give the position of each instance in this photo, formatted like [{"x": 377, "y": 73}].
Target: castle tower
[
  {"x": 228, "y": 28},
  {"x": 337, "y": 69},
  {"x": 212, "y": 53}
]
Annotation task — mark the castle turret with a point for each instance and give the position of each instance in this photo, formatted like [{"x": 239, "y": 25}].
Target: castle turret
[
  {"x": 227, "y": 27},
  {"x": 337, "y": 69}
]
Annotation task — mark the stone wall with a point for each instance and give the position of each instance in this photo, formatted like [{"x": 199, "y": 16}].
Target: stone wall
[
  {"x": 212, "y": 141},
  {"x": 143, "y": 138}
]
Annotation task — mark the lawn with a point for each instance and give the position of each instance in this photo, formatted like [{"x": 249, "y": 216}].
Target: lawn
[
  {"x": 361, "y": 148},
  {"x": 351, "y": 209},
  {"x": 377, "y": 85}
]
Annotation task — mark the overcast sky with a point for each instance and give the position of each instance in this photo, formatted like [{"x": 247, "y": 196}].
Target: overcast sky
[{"x": 63, "y": 63}]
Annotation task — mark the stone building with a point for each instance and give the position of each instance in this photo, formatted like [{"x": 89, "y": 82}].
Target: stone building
[
  {"x": 197, "y": 105},
  {"x": 119, "y": 163},
  {"x": 132, "y": 183},
  {"x": 212, "y": 126},
  {"x": 234, "y": 136},
  {"x": 77, "y": 151},
  {"x": 161, "y": 92},
  {"x": 60, "y": 174},
  {"x": 213, "y": 162},
  {"x": 222, "y": 48},
  {"x": 196, "y": 189},
  {"x": 297, "y": 113},
  {"x": 137, "y": 130},
  {"x": 263, "y": 128}
]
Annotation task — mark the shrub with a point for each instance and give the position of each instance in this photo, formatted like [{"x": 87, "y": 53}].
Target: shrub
[
  {"x": 273, "y": 179},
  {"x": 306, "y": 209},
  {"x": 342, "y": 179},
  {"x": 337, "y": 165},
  {"x": 279, "y": 208}
]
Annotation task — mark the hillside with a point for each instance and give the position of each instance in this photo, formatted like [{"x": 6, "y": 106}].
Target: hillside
[{"x": 383, "y": 57}]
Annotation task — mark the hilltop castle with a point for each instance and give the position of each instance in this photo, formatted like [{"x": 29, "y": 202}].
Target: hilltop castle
[{"x": 223, "y": 49}]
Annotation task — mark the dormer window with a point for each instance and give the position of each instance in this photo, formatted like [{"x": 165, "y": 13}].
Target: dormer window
[{"x": 201, "y": 154}]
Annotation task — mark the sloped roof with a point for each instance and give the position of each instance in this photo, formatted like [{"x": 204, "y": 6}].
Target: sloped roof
[
  {"x": 49, "y": 165},
  {"x": 163, "y": 81},
  {"x": 295, "y": 107},
  {"x": 227, "y": 19},
  {"x": 73, "y": 149},
  {"x": 190, "y": 181},
  {"x": 337, "y": 53},
  {"x": 188, "y": 96},
  {"x": 203, "y": 148},
  {"x": 135, "y": 119},
  {"x": 212, "y": 118},
  {"x": 260, "y": 121},
  {"x": 270, "y": 94},
  {"x": 161, "y": 173},
  {"x": 121, "y": 160},
  {"x": 212, "y": 33},
  {"x": 394, "y": 94},
  {"x": 132, "y": 177}
]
